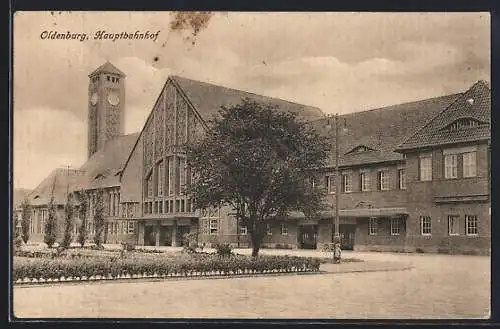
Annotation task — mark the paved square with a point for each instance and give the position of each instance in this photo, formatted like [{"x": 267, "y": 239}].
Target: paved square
[{"x": 439, "y": 286}]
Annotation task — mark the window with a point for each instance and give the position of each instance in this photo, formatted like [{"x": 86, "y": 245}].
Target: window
[
  {"x": 469, "y": 164},
  {"x": 107, "y": 77},
  {"x": 463, "y": 123},
  {"x": 330, "y": 184},
  {"x": 130, "y": 227},
  {"x": 243, "y": 230},
  {"x": 149, "y": 186},
  {"x": 178, "y": 175},
  {"x": 365, "y": 181},
  {"x": 372, "y": 226},
  {"x": 160, "y": 179},
  {"x": 182, "y": 175},
  {"x": 383, "y": 180},
  {"x": 426, "y": 168},
  {"x": 450, "y": 166},
  {"x": 269, "y": 230},
  {"x": 402, "y": 179},
  {"x": 214, "y": 226},
  {"x": 168, "y": 169},
  {"x": 171, "y": 176},
  {"x": 284, "y": 229},
  {"x": 471, "y": 225},
  {"x": 453, "y": 225},
  {"x": 425, "y": 225},
  {"x": 346, "y": 183},
  {"x": 395, "y": 226}
]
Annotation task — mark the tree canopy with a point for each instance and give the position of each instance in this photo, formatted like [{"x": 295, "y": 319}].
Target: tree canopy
[{"x": 260, "y": 161}]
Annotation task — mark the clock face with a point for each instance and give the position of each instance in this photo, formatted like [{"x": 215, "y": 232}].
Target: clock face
[
  {"x": 94, "y": 99},
  {"x": 113, "y": 98}
]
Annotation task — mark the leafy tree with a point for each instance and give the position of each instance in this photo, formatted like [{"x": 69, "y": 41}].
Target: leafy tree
[
  {"x": 260, "y": 162},
  {"x": 82, "y": 212},
  {"x": 51, "y": 225},
  {"x": 99, "y": 218},
  {"x": 17, "y": 235},
  {"x": 26, "y": 220},
  {"x": 68, "y": 222}
]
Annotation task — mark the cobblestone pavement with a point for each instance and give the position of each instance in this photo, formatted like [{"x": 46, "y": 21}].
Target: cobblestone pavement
[{"x": 439, "y": 286}]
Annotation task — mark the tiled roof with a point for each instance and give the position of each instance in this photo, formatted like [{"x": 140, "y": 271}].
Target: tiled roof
[
  {"x": 103, "y": 167},
  {"x": 18, "y": 196},
  {"x": 57, "y": 184},
  {"x": 107, "y": 68},
  {"x": 473, "y": 104},
  {"x": 380, "y": 129},
  {"x": 99, "y": 171},
  {"x": 208, "y": 98}
]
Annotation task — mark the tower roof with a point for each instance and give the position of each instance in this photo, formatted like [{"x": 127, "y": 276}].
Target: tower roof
[{"x": 107, "y": 68}]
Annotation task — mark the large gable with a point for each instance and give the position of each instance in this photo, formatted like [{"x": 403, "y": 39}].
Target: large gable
[
  {"x": 208, "y": 98},
  {"x": 467, "y": 119},
  {"x": 380, "y": 131}
]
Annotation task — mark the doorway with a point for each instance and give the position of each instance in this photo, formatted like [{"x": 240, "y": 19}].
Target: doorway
[
  {"x": 181, "y": 231},
  {"x": 308, "y": 236},
  {"x": 149, "y": 236},
  {"x": 347, "y": 232},
  {"x": 165, "y": 236}
]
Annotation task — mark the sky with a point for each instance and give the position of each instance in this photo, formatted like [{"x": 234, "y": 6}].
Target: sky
[{"x": 339, "y": 62}]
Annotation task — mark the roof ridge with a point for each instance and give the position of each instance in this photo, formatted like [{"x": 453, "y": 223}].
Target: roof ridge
[
  {"x": 248, "y": 92},
  {"x": 405, "y": 103}
]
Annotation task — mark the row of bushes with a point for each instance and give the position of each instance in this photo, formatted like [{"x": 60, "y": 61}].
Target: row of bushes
[{"x": 77, "y": 269}]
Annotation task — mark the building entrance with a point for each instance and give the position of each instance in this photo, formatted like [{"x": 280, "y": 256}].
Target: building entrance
[
  {"x": 308, "y": 236},
  {"x": 347, "y": 232},
  {"x": 181, "y": 231},
  {"x": 149, "y": 236}
]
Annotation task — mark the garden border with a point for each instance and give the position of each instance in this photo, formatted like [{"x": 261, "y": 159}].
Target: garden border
[{"x": 149, "y": 278}]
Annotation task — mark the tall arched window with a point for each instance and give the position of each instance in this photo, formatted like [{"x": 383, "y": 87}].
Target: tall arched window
[{"x": 160, "y": 178}]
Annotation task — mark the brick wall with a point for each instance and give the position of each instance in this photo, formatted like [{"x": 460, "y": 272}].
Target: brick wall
[
  {"x": 394, "y": 197},
  {"x": 421, "y": 202},
  {"x": 383, "y": 240}
]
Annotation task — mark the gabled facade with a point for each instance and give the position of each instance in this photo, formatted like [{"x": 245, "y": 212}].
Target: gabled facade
[
  {"x": 386, "y": 203},
  {"x": 448, "y": 166}
]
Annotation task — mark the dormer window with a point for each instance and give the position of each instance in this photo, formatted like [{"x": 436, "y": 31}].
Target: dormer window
[
  {"x": 98, "y": 176},
  {"x": 360, "y": 149},
  {"x": 463, "y": 123}
]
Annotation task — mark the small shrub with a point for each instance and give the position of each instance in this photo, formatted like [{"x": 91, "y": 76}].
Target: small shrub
[
  {"x": 419, "y": 250},
  {"x": 128, "y": 246},
  {"x": 224, "y": 250},
  {"x": 18, "y": 242}
]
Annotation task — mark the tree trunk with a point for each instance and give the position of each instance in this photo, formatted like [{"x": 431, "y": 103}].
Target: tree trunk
[{"x": 256, "y": 241}]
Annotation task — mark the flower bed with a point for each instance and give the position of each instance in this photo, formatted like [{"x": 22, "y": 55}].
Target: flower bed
[
  {"x": 69, "y": 253},
  {"x": 60, "y": 269}
]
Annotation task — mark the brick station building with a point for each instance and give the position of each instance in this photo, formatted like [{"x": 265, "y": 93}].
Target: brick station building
[{"x": 414, "y": 176}]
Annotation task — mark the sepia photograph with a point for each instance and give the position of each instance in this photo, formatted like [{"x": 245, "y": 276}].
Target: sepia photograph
[{"x": 251, "y": 165}]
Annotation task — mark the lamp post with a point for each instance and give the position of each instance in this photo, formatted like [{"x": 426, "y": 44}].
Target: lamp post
[{"x": 336, "y": 223}]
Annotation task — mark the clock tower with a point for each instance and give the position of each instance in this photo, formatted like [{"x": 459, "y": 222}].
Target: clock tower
[{"x": 106, "y": 106}]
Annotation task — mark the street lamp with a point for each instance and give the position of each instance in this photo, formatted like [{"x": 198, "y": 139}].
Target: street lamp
[{"x": 336, "y": 226}]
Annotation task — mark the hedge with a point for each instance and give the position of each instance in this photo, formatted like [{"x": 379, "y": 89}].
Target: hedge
[{"x": 102, "y": 268}]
